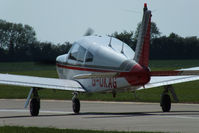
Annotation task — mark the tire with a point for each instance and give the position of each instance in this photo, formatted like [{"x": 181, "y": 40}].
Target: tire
[
  {"x": 34, "y": 107},
  {"x": 76, "y": 105},
  {"x": 166, "y": 103}
]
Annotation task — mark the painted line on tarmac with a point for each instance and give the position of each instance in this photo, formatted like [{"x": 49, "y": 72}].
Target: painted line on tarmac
[
  {"x": 41, "y": 111},
  {"x": 180, "y": 117}
]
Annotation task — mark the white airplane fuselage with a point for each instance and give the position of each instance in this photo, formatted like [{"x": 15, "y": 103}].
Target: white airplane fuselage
[{"x": 96, "y": 54}]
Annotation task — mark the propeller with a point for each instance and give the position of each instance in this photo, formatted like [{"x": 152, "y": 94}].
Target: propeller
[{"x": 89, "y": 32}]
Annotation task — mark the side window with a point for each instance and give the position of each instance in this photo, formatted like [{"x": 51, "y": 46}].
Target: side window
[
  {"x": 81, "y": 54},
  {"x": 74, "y": 52},
  {"x": 89, "y": 57}
]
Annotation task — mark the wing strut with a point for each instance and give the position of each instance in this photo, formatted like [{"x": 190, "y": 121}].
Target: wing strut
[
  {"x": 28, "y": 98},
  {"x": 169, "y": 88}
]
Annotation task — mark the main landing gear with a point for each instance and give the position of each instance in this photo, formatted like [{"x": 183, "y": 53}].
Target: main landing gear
[
  {"x": 166, "y": 100},
  {"x": 35, "y": 103},
  {"x": 165, "y": 103},
  {"x": 76, "y": 103}
]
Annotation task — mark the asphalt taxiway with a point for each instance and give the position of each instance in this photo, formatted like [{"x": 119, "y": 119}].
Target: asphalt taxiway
[{"x": 120, "y": 116}]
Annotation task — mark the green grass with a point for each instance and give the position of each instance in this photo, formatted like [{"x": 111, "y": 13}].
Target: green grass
[
  {"x": 172, "y": 64},
  {"x": 187, "y": 92},
  {"x": 15, "y": 129},
  {"x": 29, "y": 68}
]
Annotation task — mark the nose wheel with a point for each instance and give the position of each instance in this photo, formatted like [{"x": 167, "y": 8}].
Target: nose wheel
[{"x": 76, "y": 103}]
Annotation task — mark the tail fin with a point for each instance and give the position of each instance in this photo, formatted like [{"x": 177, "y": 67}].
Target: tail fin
[{"x": 143, "y": 42}]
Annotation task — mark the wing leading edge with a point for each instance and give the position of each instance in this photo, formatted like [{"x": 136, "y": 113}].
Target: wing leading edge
[{"x": 31, "y": 81}]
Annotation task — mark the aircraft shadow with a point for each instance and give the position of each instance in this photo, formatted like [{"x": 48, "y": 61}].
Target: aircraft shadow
[
  {"x": 90, "y": 115},
  {"x": 28, "y": 116},
  {"x": 136, "y": 114}
]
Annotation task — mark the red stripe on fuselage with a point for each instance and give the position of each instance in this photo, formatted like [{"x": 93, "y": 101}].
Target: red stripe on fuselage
[
  {"x": 83, "y": 68},
  {"x": 137, "y": 76}
]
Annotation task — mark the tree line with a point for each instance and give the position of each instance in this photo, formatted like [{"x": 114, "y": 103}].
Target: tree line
[
  {"x": 18, "y": 42},
  {"x": 172, "y": 47}
]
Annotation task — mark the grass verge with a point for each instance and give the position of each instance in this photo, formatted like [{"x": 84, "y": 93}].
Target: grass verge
[{"x": 16, "y": 129}]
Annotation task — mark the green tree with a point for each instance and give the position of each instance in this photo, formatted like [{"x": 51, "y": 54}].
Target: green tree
[
  {"x": 126, "y": 37},
  {"x": 174, "y": 47},
  {"x": 155, "y": 33},
  {"x": 15, "y": 38}
]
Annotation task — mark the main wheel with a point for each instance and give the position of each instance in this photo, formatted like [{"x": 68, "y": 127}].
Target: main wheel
[
  {"x": 34, "y": 107},
  {"x": 165, "y": 103},
  {"x": 76, "y": 105}
]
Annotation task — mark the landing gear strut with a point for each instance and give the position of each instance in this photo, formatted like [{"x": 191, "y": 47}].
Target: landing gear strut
[
  {"x": 76, "y": 103},
  {"x": 35, "y": 103}
]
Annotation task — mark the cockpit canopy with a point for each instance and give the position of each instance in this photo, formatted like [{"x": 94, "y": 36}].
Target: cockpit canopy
[
  {"x": 80, "y": 54},
  {"x": 98, "y": 51}
]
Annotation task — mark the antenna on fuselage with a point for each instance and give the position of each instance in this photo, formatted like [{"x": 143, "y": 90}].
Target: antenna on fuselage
[
  {"x": 122, "y": 51},
  {"x": 110, "y": 42}
]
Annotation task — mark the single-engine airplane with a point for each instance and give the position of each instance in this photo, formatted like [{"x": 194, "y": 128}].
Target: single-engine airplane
[{"x": 101, "y": 64}]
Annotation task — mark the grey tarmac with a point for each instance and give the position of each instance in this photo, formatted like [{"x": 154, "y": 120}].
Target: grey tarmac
[{"x": 120, "y": 116}]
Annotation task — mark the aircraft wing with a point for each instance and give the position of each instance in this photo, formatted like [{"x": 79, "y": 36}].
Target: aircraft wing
[
  {"x": 157, "y": 81},
  {"x": 30, "y": 81}
]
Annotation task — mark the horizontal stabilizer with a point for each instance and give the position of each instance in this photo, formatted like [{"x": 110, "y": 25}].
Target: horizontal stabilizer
[
  {"x": 175, "y": 73},
  {"x": 157, "y": 81},
  {"x": 162, "y": 78}
]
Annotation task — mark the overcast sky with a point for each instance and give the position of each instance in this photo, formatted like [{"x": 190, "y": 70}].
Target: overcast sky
[{"x": 58, "y": 21}]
